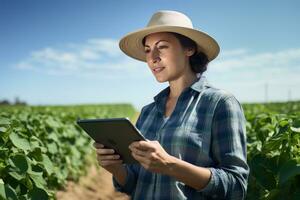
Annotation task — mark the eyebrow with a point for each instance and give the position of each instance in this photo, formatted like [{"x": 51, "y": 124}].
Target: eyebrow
[{"x": 157, "y": 42}]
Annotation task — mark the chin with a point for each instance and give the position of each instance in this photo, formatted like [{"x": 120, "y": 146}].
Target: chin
[{"x": 161, "y": 80}]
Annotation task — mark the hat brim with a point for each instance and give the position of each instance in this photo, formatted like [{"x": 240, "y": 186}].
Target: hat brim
[{"x": 131, "y": 44}]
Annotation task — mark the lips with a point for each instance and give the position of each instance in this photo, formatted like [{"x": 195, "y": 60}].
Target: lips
[{"x": 157, "y": 69}]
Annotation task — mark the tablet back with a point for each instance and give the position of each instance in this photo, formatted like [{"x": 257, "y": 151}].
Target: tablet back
[{"x": 115, "y": 133}]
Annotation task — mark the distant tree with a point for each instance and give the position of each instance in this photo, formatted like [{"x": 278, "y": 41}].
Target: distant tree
[
  {"x": 4, "y": 102},
  {"x": 17, "y": 102}
]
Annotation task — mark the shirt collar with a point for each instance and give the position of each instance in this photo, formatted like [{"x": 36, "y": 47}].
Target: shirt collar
[
  {"x": 161, "y": 98},
  {"x": 198, "y": 85}
]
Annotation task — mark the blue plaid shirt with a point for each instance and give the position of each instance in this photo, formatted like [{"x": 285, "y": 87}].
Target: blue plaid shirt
[{"x": 206, "y": 129}]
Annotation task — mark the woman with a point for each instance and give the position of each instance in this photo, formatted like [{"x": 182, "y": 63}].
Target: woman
[{"x": 196, "y": 146}]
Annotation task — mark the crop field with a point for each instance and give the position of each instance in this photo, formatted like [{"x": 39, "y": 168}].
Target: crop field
[
  {"x": 41, "y": 148},
  {"x": 273, "y": 133}
]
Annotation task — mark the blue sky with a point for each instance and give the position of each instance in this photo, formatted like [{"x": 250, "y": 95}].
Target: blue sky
[{"x": 66, "y": 52}]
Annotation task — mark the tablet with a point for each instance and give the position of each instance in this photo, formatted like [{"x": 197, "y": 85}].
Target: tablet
[{"x": 114, "y": 133}]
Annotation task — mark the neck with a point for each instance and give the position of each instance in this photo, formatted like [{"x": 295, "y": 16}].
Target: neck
[{"x": 179, "y": 84}]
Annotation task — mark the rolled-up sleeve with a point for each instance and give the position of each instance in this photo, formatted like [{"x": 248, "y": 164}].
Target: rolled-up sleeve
[
  {"x": 230, "y": 174},
  {"x": 130, "y": 181}
]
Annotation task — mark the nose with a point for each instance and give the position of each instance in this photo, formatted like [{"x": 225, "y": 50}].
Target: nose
[{"x": 154, "y": 55}]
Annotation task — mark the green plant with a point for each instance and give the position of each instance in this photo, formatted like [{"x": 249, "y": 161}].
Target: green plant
[
  {"x": 273, "y": 153},
  {"x": 42, "y": 147}
]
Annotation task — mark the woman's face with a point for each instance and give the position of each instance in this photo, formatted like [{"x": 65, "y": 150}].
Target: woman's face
[{"x": 166, "y": 57}]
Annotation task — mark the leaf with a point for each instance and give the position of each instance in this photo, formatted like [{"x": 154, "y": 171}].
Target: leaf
[
  {"x": 36, "y": 154},
  {"x": 273, "y": 144},
  {"x": 37, "y": 178},
  {"x": 28, "y": 183},
  {"x": 288, "y": 170},
  {"x": 53, "y": 137},
  {"x": 4, "y": 121},
  {"x": 3, "y": 129},
  {"x": 297, "y": 130},
  {"x": 263, "y": 175},
  {"x": 52, "y": 148},
  {"x": 262, "y": 134},
  {"x": 23, "y": 197},
  {"x": 47, "y": 164},
  {"x": 17, "y": 175},
  {"x": 296, "y": 122},
  {"x": 283, "y": 126},
  {"x": 19, "y": 141},
  {"x": 10, "y": 193},
  {"x": 266, "y": 179},
  {"x": 37, "y": 143},
  {"x": 50, "y": 122},
  {"x": 75, "y": 152},
  {"x": 283, "y": 123},
  {"x": 19, "y": 162},
  {"x": 39, "y": 194},
  {"x": 274, "y": 194},
  {"x": 283, "y": 158},
  {"x": 2, "y": 189}
]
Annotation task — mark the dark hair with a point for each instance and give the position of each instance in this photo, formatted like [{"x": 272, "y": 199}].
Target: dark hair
[{"x": 198, "y": 60}]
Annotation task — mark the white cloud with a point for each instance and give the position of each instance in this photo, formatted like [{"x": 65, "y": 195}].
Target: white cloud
[
  {"x": 241, "y": 71},
  {"x": 242, "y": 59},
  {"x": 234, "y": 52},
  {"x": 95, "y": 58},
  {"x": 236, "y": 69},
  {"x": 248, "y": 74},
  {"x": 100, "y": 56}
]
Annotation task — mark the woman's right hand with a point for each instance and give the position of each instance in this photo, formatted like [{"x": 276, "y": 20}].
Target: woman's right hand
[{"x": 107, "y": 158}]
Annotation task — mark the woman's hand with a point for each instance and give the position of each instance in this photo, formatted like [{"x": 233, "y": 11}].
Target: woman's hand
[
  {"x": 154, "y": 158},
  {"x": 151, "y": 156},
  {"x": 107, "y": 158}
]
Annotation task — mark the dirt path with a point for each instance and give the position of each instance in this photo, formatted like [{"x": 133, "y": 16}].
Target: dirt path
[{"x": 97, "y": 185}]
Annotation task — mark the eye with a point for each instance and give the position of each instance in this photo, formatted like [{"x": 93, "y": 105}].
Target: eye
[
  {"x": 162, "y": 47},
  {"x": 146, "y": 50}
]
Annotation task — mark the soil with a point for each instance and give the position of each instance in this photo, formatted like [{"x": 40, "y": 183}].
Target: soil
[{"x": 97, "y": 185}]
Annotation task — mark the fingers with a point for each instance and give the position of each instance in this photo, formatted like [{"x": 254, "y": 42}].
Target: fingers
[
  {"x": 100, "y": 149},
  {"x": 105, "y": 163},
  {"x": 105, "y": 151},
  {"x": 143, "y": 145},
  {"x": 106, "y": 157},
  {"x": 98, "y": 145},
  {"x": 139, "y": 156},
  {"x": 110, "y": 157},
  {"x": 139, "y": 152}
]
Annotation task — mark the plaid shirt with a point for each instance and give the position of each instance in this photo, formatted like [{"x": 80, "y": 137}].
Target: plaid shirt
[{"x": 206, "y": 129}]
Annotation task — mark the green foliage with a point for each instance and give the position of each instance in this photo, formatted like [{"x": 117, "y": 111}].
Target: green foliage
[
  {"x": 273, "y": 150},
  {"x": 42, "y": 147}
]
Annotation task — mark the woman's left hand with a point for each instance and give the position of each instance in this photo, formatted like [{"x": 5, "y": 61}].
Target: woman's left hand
[{"x": 151, "y": 156}]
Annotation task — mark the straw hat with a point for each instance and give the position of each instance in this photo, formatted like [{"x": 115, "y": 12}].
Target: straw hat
[{"x": 168, "y": 21}]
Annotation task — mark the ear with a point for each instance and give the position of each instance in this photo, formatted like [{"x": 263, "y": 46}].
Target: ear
[{"x": 190, "y": 51}]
